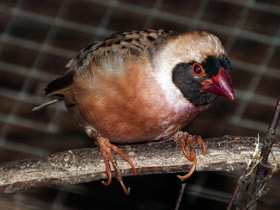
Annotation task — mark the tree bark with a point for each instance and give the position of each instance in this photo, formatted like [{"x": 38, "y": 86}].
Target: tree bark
[{"x": 229, "y": 153}]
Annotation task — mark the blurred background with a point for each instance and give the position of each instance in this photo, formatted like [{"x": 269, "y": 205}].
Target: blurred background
[{"x": 38, "y": 38}]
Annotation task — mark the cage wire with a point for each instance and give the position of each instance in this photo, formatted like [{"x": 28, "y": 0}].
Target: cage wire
[{"x": 39, "y": 37}]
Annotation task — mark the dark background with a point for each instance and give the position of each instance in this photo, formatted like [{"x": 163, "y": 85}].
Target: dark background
[{"x": 37, "y": 38}]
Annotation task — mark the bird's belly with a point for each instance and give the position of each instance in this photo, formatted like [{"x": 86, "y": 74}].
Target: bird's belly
[
  {"x": 127, "y": 127},
  {"x": 128, "y": 112},
  {"x": 128, "y": 123}
]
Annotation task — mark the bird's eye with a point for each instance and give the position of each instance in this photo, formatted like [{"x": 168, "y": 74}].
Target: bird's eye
[{"x": 198, "y": 70}]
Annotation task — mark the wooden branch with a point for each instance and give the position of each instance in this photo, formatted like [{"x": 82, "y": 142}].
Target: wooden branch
[
  {"x": 84, "y": 165},
  {"x": 261, "y": 179},
  {"x": 258, "y": 164}
]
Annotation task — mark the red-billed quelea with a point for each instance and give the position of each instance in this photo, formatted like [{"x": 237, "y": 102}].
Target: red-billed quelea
[{"x": 142, "y": 86}]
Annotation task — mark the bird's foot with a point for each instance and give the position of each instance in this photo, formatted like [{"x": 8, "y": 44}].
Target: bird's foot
[
  {"x": 109, "y": 159},
  {"x": 181, "y": 137}
]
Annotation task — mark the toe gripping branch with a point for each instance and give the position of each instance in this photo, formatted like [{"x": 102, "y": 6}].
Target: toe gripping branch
[
  {"x": 109, "y": 159},
  {"x": 181, "y": 137}
]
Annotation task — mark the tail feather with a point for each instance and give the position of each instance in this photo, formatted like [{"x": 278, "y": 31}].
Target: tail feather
[
  {"x": 42, "y": 106},
  {"x": 59, "y": 87}
]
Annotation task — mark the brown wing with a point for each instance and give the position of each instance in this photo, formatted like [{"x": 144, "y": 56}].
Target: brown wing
[
  {"x": 61, "y": 85},
  {"x": 134, "y": 42}
]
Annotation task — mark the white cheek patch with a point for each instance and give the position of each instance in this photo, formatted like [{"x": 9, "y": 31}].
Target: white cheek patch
[
  {"x": 163, "y": 65},
  {"x": 184, "y": 48}
]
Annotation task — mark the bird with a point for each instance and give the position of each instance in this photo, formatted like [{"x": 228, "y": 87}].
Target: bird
[{"x": 143, "y": 86}]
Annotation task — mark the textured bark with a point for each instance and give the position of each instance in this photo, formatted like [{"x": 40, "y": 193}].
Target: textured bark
[
  {"x": 228, "y": 153},
  {"x": 262, "y": 176},
  {"x": 258, "y": 166}
]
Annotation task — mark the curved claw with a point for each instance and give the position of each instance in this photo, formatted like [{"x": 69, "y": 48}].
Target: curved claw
[
  {"x": 118, "y": 173},
  {"x": 105, "y": 150},
  {"x": 108, "y": 172},
  {"x": 126, "y": 190},
  {"x": 182, "y": 143},
  {"x": 124, "y": 157},
  {"x": 109, "y": 180},
  {"x": 200, "y": 142},
  {"x": 188, "y": 175},
  {"x": 181, "y": 137}
]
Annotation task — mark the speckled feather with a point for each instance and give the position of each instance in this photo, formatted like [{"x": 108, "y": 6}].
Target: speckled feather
[
  {"x": 143, "y": 40},
  {"x": 132, "y": 42}
]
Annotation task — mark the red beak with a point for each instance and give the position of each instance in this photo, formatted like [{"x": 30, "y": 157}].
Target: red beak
[{"x": 219, "y": 85}]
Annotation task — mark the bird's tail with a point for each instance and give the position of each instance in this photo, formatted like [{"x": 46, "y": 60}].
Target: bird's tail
[{"x": 42, "y": 106}]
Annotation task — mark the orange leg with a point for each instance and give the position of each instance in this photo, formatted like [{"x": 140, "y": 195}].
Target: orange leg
[
  {"x": 181, "y": 137},
  {"x": 109, "y": 159},
  {"x": 105, "y": 150}
]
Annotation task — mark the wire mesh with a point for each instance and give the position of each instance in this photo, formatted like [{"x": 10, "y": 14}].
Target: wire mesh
[{"x": 37, "y": 38}]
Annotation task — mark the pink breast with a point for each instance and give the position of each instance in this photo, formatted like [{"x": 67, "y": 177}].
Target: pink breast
[{"x": 133, "y": 109}]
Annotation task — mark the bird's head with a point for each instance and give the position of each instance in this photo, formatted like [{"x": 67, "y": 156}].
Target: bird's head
[{"x": 198, "y": 67}]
